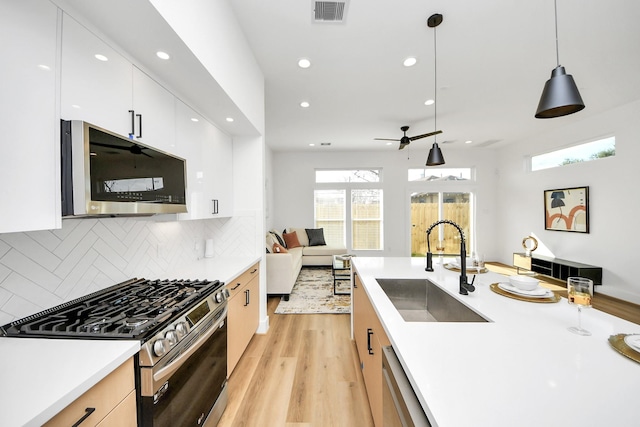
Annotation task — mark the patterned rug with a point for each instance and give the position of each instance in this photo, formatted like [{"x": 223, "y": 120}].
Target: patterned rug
[{"x": 313, "y": 293}]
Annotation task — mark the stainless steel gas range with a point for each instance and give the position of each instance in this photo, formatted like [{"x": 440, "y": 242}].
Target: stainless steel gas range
[{"x": 181, "y": 369}]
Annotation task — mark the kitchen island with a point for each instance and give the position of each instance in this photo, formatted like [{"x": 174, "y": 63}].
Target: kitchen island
[{"x": 522, "y": 368}]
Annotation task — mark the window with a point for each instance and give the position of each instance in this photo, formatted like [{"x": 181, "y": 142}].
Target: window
[
  {"x": 429, "y": 207},
  {"x": 366, "y": 219},
  {"x": 578, "y": 153},
  {"x": 347, "y": 175},
  {"x": 349, "y": 207},
  {"x": 440, "y": 174},
  {"x": 330, "y": 214}
]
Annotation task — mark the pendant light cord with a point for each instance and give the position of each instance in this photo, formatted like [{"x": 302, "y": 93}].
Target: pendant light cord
[
  {"x": 555, "y": 9},
  {"x": 435, "y": 84}
]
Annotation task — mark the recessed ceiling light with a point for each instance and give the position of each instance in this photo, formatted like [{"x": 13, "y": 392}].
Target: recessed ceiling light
[
  {"x": 229, "y": 119},
  {"x": 44, "y": 67},
  {"x": 304, "y": 104},
  {"x": 429, "y": 102},
  {"x": 100, "y": 57},
  {"x": 468, "y": 142},
  {"x": 75, "y": 106},
  {"x": 162, "y": 55},
  {"x": 304, "y": 63},
  {"x": 410, "y": 62},
  {"x": 193, "y": 119},
  {"x": 389, "y": 143},
  {"x": 312, "y": 145}
]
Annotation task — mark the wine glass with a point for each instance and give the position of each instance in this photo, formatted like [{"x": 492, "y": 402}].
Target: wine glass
[
  {"x": 478, "y": 261},
  {"x": 580, "y": 293}
]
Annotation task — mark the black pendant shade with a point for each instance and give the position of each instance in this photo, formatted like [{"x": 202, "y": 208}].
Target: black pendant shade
[
  {"x": 435, "y": 156},
  {"x": 560, "y": 96}
]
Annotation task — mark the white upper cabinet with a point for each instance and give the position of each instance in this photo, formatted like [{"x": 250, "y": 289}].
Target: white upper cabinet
[
  {"x": 97, "y": 82},
  {"x": 102, "y": 87},
  {"x": 154, "y": 112},
  {"x": 217, "y": 155},
  {"x": 208, "y": 153},
  {"x": 29, "y": 164},
  {"x": 190, "y": 131}
]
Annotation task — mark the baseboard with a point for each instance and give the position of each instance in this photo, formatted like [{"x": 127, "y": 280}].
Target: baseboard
[{"x": 263, "y": 326}]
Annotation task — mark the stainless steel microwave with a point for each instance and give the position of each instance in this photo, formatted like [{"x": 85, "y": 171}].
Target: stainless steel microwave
[{"x": 104, "y": 173}]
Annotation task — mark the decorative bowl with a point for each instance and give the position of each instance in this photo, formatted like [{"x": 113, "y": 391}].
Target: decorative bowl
[{"x": 524, "y": 283}]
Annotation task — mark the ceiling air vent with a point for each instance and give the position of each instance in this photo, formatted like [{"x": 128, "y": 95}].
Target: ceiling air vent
[{"x": 329, "y": 11}]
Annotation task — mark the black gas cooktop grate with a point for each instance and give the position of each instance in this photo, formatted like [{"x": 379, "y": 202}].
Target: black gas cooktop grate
[{"x": 129, "y": 310}]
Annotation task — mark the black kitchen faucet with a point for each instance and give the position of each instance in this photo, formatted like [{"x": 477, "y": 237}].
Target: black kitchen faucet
[{"x": 465, "y": 287}]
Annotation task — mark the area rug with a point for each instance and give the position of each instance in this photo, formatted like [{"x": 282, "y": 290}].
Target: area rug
[{"x": 313, "y": 293}]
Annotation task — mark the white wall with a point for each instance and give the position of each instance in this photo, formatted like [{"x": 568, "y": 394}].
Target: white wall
[
  {"x": 293, "y": 184},
  {"x": 613, "y": 198}
]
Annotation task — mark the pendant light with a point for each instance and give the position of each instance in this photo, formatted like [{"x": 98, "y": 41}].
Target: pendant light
[
  {"x": 435, "y": 157},
  {"x": 560, "y": 95}
]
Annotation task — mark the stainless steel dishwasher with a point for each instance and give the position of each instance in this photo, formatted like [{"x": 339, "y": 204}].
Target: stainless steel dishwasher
[{"x": 400, "y": 406}]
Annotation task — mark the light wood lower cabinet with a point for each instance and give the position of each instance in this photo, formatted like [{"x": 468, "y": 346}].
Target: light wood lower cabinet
[
  {"x": 244, "y": 314},
  {"x": 370, "y": 338},
  {"x": 111, "y": 402}
]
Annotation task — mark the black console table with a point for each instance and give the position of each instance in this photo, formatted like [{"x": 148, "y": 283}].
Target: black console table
[{"x": 556, "y": 267}]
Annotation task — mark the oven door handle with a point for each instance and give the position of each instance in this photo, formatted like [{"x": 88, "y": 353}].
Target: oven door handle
[{"x": 163, "y": 374}]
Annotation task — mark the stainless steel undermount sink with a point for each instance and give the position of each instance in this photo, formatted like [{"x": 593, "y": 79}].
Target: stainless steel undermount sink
[{"x": 419, "y": 300}]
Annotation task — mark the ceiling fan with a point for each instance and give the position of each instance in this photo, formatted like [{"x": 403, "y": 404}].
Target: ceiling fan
[
  {"x": 133, "y": 149},
  {"x": 405, "y": 140}
]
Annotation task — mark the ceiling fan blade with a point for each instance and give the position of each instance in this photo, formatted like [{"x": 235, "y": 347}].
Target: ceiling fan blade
[
  {"x": 413, "y": 138},
  {"x": 402, "y": 146},
  {"x": 385, "y": 139}
]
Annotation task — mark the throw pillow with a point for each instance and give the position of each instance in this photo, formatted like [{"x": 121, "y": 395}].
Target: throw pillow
[
  {"x": 278, "y": 236},
  {"x": 291, "y": 239},
  {"x": 302, "y": 235},
  {"x": 279, "y": 249},
  {"x": 269, "y": 241},
  {"x": 316, "y": 236}
]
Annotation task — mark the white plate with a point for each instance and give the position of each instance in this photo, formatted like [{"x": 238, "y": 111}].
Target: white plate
[
  {"x": 633, "y": 341},
  {"x": 538, "y": 292}
]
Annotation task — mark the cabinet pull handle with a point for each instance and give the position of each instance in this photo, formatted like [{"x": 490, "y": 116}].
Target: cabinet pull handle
[
  {"x": 236, "y": 286},
  {"x": 88, "y": 412},
  {"x": 246, "y": 297},
  {"x": 254, "y": 270},
  {"x": 354, "y": 280},
  {"x": 215, "y": 206},
  {"x": 369, "y": 333},
  {"x": 139, "y": 116},
  {"x": 133, "y": 124}
]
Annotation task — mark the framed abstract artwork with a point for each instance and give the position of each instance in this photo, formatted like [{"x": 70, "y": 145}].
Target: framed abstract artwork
[{"x": 567, "y": 209}]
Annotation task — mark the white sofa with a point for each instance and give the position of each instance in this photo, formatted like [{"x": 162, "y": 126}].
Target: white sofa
[{"x": 283, "y": 268}]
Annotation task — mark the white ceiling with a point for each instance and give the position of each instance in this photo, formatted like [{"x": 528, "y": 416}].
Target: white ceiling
[{"x": 493, "y": 58}]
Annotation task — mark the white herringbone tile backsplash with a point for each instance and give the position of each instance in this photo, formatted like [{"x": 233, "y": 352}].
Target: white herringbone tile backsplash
[{"x": 42, "y": 269}]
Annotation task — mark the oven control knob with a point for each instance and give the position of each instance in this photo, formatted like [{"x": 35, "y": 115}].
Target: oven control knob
[
  {"x": 219, "y": 297},
  {"x": 171, "y": 337},
  {"x": 159, "y": 348},
  {"x": 181, "y": 329},
  {"x": 226, "y": 293}
]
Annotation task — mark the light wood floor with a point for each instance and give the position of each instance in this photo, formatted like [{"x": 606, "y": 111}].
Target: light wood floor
[{"x": 303, "y": 372}]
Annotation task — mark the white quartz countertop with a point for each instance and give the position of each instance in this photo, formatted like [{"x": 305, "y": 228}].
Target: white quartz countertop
[
  {"x": 40, "y": 377},
  {"x": 521, "y": 369},
  {"x": 224, "y": 269}
]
